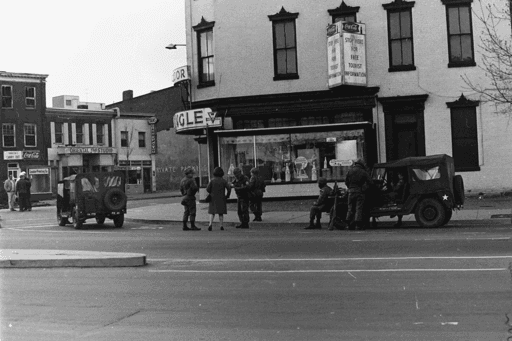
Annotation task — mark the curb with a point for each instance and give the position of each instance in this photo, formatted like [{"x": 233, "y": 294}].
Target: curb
[{"x": 10, "y": 258}]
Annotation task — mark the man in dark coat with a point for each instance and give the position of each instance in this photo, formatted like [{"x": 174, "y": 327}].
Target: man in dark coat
[
  {"x": 256, "y": 188},
  {"x": 188, "y": 188},
  {"x": 23, "y": 192},
  {"x": 357, "y": 181},
  {"x": 319, "y": 206},
  {"x": 241, "y": 187}
]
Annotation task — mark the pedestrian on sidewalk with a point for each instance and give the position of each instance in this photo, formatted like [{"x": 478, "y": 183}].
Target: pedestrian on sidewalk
[
  {"x": 319, "y": 206},
  {"x": 241, "y": 186},
  {"x": 256, "y": 190},
  {"x": 23, "y": 192},
  {"x": 219, "y": 190},
  {"x": 189, "y": 188},
  {"x": 10, "y": 188}
]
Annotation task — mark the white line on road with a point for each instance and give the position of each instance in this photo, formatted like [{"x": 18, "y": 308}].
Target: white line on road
[
  {"x": 329, "y": 271},
  {"x": 317, "y": 259}
]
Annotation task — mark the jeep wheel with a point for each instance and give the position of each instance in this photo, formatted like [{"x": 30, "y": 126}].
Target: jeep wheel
[
  {"x": 77, "y": 223},
  {"x": 430, "y": 213},
  {"x": 114, "y": 199},
  {"x": 458, "y": 190},
  {"x": 60, "y": 220},
  {"x": 119, "y": 220},
  {"x": 100, "y": 220}
]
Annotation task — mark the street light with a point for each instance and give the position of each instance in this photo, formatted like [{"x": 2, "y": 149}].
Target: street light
[{"x": 173, "y": 46}]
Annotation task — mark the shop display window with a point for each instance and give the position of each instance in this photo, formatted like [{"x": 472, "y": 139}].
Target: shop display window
[{"x": 295, "y": 157}]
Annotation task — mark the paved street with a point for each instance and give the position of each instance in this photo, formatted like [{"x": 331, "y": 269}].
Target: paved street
[{"x": 265, "y": 283}]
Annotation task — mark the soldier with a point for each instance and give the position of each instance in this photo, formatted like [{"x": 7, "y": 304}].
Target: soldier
[
  {"x": 188, "y": 188},
  {"x": 256, "y": 188},
  {"x": 357, "y": 181},
  {"x": 241, "y": 186},
  {"x": 319, "y": 206}
]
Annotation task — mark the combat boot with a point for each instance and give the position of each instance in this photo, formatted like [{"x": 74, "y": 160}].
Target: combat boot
[{"x": 185, "y": 227}]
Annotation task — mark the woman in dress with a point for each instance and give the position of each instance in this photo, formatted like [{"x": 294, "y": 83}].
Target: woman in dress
[{"x": 219, "y": 190}]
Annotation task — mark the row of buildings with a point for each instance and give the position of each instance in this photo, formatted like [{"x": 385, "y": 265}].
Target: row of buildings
[{"x": 50, "y": 143}]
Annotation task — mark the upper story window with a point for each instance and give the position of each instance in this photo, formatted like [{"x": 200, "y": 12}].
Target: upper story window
[
  {"x": 400, "y": 37},
  {"x": 344, "y": 13},
  {"x": 59, "y": 133},
  {"x": 142, "y": 139},
  {"x": 79, "y": 133},
  {"x": 124, "y": 138},
  {"x": 9, "y": 134},
  {"x": 460, "y": 33},
  {"x": 464, "y": 134},
  {"x": 30, "y": 97},
  {"x": 6, "y": 96},
  {"x": 285, "y": 45},
  {"x": 100, "y": 133},
  {"x": 30, "y": 135},
  {"x": 206, "y": 65},
  {"x": 68, "y": 102}
]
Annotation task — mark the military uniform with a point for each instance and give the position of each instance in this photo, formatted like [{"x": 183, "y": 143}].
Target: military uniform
[
  {"x": 188, "y": 188},
  {"x": 321, "y": 205},
  {"x": 241, "y": 186},
  {"x": 256, "y": 187},
  {"x": 357, "y": 180}
]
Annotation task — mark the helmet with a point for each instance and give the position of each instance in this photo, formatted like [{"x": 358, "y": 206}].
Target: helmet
[{"x": 189, "y": 170}]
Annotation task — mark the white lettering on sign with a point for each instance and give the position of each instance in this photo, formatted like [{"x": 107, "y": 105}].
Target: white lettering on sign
[
  {"x": 196, "y": 119},
  {"x": 38, "y": 171},
  {"x": 354, "y": 57},
  {"x": 334, "y": 61},
  {"x": 13, "y": 155}
]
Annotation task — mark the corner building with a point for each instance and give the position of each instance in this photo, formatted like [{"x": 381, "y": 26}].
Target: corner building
[{"x": 266, "y": 89}]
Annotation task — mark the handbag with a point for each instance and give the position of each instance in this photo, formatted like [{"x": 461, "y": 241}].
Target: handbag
[{"x": 208, "y": 198}]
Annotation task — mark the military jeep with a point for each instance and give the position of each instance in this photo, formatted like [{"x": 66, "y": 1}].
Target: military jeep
[
  {"x": 431, "y": 191},
  {"x": 91, "y": 195}
]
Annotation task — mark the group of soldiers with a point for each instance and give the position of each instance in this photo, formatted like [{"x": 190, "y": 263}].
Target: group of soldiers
[{"x": 18, "y": 189}]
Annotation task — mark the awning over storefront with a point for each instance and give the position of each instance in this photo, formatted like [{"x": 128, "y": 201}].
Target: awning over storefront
[{"x": 295, "y": 129}]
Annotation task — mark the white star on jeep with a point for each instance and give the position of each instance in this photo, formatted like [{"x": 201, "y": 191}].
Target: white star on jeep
[{"x": 445, "y": 197}]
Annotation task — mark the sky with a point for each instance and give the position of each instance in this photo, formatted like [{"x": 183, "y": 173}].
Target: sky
[{"x": 94, "y": 49}]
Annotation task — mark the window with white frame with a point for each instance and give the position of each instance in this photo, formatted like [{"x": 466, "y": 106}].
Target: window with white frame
[
  {"x": 6, "y": 96},
  {"x": 30, "y": 135},
  {"x": 100, "y": 133},
  {"x": 9, "y": 134},
  {"x": 30, "y": 97},
  {"x": 142, "y": 139},
  {"x": 204, "y": 31},
  {"x": 285, "y": 45}
]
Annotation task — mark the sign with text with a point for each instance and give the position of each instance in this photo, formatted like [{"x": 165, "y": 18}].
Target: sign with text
[
  {"x": 196, "y": 120},
  {"x": 86, "y": 150},
  {"x": 38, "y": 171},
  {"x": 181, "y": 74},
  {"x": 13, "y": 155},
  {"x": 346, "y": 53},
  {"x": 152, "y": 126},
  {"x": 31, "y": 154}
]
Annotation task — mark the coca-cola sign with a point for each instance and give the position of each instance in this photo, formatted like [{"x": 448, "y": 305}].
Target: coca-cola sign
[{"x": 31, "y": 154}]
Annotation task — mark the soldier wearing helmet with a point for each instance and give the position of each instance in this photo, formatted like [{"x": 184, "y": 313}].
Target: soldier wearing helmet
[
  {"x": 357, "y": 181},
  {"x": 319, "y": 206},
  {"x": 189, "y": 188}
]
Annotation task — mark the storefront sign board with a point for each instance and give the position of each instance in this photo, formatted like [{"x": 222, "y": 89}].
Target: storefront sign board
[
  {"x": 31, "y": 154},
  {"x": 345, "y": 163},
  {"x": 196, "y": 120},
  {"x": 334, "y": 61},
  {"x": 13, "y": 155},
  {"x": 152, "y": 126},
  {"x": 38, "y": 171},
  {"x": 354, "y": 57},
  {"x": 181, "y": 74},
  {"x": 86, "y": 150}
]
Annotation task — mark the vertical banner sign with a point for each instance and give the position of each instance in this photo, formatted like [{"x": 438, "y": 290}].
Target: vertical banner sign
[
  {"x": 334, "y": 61},
  {"x": 152, "y": 126},
  {"x": 346, "y": 53},
  {"x": 354, "y": 56}
]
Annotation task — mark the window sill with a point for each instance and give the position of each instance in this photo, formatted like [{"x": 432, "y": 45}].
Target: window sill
[
  {"x": 206, "y": 84},
  {"x": 9, "y": 146},
  {"x": 400, "y": 68},
  {"x": 462, "y": 64},
  {"x": 286, "y": 77},
  {"x": 468, "y": 169}
]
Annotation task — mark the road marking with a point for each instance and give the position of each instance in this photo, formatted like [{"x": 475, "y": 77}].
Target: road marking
[
  {"x": 33, "y": 226},
  {"x": 329, "y": 271},
  {"x": 319, "y": 259},
  {"x": 56, "y": 231}
]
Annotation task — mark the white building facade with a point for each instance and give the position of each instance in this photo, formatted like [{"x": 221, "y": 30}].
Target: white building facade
[{"x": 269, "y": 73}]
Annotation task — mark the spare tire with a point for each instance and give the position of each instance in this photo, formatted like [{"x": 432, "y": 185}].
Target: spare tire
[
  {"x": 458, "y": 190},
  {"x": 114, "y": 199}
]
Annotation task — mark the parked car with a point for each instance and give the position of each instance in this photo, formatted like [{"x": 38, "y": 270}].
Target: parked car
[
  {"x": 91, "y": 195},
  {"x": 431, "y": 191}
]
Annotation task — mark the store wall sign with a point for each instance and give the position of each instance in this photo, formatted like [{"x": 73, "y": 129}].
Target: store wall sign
[
  {"x": 86, "y": 150},
  {"x": 152, "y": 127},
  {"x": 346, "y": 53},
  {"x": 38, "y": 171},
  {"x": 13, "y": 155},
  {"x": 31, "y": 154},
  {"x": 181, "y": 74},
  {"x": 196, "y": 119}
]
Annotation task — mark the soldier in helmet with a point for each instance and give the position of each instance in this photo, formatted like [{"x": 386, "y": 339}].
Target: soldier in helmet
[
  {"x": 241, "y": 187},
  {"x": 319, "y": 206},
  {"x": 357, "y": 181},
  {"x": 188, "y": 188}
]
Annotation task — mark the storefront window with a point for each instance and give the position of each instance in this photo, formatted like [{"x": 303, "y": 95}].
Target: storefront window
[
  {"x": 40, "y": 180},
  {"x": 294, "y": 157}
]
